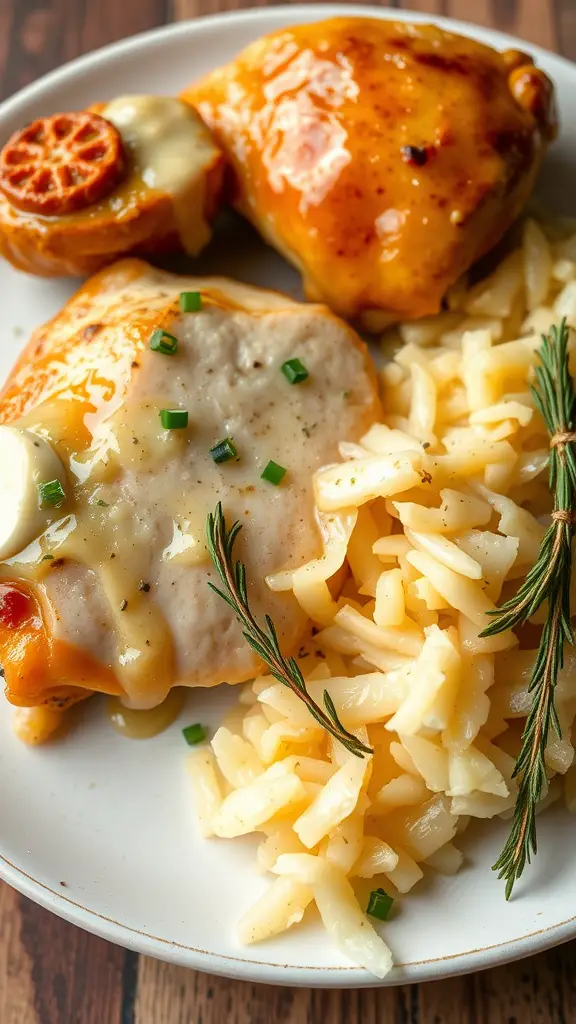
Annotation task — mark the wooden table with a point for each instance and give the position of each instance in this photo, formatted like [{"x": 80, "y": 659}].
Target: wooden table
[{"x": 50, "y": 971}]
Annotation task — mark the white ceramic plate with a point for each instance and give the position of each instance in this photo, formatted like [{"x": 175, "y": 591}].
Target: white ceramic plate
[{"x": 100, "y": 829}]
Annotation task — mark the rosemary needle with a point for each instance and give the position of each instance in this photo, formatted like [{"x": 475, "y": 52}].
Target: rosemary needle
[
  {"x": 549, "y": 579},
  {"x": 265, "y": 641}
]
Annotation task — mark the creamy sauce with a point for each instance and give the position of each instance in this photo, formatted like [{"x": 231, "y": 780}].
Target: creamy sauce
[
  {"x": 172, "y": 151},
  {"x": 142, "y": 725}
]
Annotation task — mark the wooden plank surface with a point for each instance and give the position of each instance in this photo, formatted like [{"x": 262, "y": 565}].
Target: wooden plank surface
[{"x": 53, "y": 973}]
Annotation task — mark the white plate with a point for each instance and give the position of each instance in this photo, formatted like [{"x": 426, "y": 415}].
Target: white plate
[{"x": 100, "y": 829}]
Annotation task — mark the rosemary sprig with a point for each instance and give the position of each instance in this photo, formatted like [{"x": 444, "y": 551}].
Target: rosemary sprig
[
  {"x": 549, "y": 579},
  {"x": 265, "y": 642}
]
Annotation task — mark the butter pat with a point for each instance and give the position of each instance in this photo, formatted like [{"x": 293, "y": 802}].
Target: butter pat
[{"x": 26, "y": 461}]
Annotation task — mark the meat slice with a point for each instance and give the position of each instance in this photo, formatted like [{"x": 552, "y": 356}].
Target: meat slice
[
  {"x": 381, "y": 158},
  {"x": 122, "y": 605}
]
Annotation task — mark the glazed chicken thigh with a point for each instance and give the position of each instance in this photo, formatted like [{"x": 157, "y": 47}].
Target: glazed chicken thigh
[{"x": 381, "y": 158}]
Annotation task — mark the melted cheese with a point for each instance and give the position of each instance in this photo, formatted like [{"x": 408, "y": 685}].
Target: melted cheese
[{"x": 172, "y": 151}]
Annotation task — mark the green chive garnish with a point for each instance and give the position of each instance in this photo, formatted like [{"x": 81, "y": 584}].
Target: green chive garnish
[
  {"x": 379, "y": 904},
  {"x": 190, "y": 302},
  {"x": 161, "y": 341},
  {"x": 174, "y": 419},
  {"x": 224, "y": 450},
  {"x": 51, "y": 494},
  {"x": 294, "y": 371},
  {"x": 273, "y": 473},
  {"x": 194, "y": 734}
]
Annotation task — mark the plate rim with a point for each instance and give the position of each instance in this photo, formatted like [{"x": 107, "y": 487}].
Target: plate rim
[
  {"x": 264, "y": 972},
  {"x": 107, "y": 927}
]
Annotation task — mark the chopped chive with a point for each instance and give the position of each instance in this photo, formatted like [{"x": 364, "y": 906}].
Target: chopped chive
[
  {"x": 161, "y": 341},
  {"x": 101, "y": 503},
  {"x": 51, "y": 494},
  {"x": 47, "y": 558},
  {"x": 273, "y": 473},
  {"x": 174, "y": 419},
  {"x": 190, "y": 302},
  {"x": 294, "y": 371},
  {"x": 194, "y": 734},
  {"x": 379, "y": 904},
  {"x": 224, "y": 450}
]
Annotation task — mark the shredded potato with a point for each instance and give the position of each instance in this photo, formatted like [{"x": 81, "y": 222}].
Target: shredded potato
[
  {"x": 281, "y": 906},
  {"x": 431, "y": 518},
  {"x": 202, "y": 769},
  {"x": 334, "y": 803},
  {"x": 402, "y": 791},
  {"x": 345, "y": 921}
]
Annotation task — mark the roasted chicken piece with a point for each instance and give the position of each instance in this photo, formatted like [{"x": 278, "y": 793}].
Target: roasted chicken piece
[
  {"x": 107, "y": 475},
  {"x": 140, "y": 174},
  {"x": 382, "y": 158}
]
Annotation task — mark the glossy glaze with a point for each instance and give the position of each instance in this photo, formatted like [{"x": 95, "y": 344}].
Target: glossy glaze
[{"x": 318, "y": 121}]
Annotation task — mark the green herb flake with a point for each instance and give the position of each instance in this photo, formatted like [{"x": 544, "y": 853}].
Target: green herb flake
[
  {"x": 161, "y": 341},
  {"x": 224, "y": 450},
  {"x": 194, "y": 734},
  {"x": 379, "y": 904},
  {"x": 174, "y": 419},
  {"x": 190, "y": 302},
  {"x": 294, "y": 371},
  {"x": 273, "y": 473},
  {"x": 51, "y": 494}
]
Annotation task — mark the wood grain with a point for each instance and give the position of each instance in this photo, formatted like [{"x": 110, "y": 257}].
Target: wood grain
[
  {"x": 541, "y": 990},
  {"x": 53, "y": 973}
]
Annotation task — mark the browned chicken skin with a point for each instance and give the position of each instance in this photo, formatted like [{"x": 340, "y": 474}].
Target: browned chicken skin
[{"x": 381, "y": 158}]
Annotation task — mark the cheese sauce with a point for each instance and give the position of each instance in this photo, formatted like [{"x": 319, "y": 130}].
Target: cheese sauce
[{"x": 172, "y": 150}]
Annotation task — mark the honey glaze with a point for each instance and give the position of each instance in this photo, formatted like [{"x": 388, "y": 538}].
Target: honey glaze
[{"x": 142, "y": 725}]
